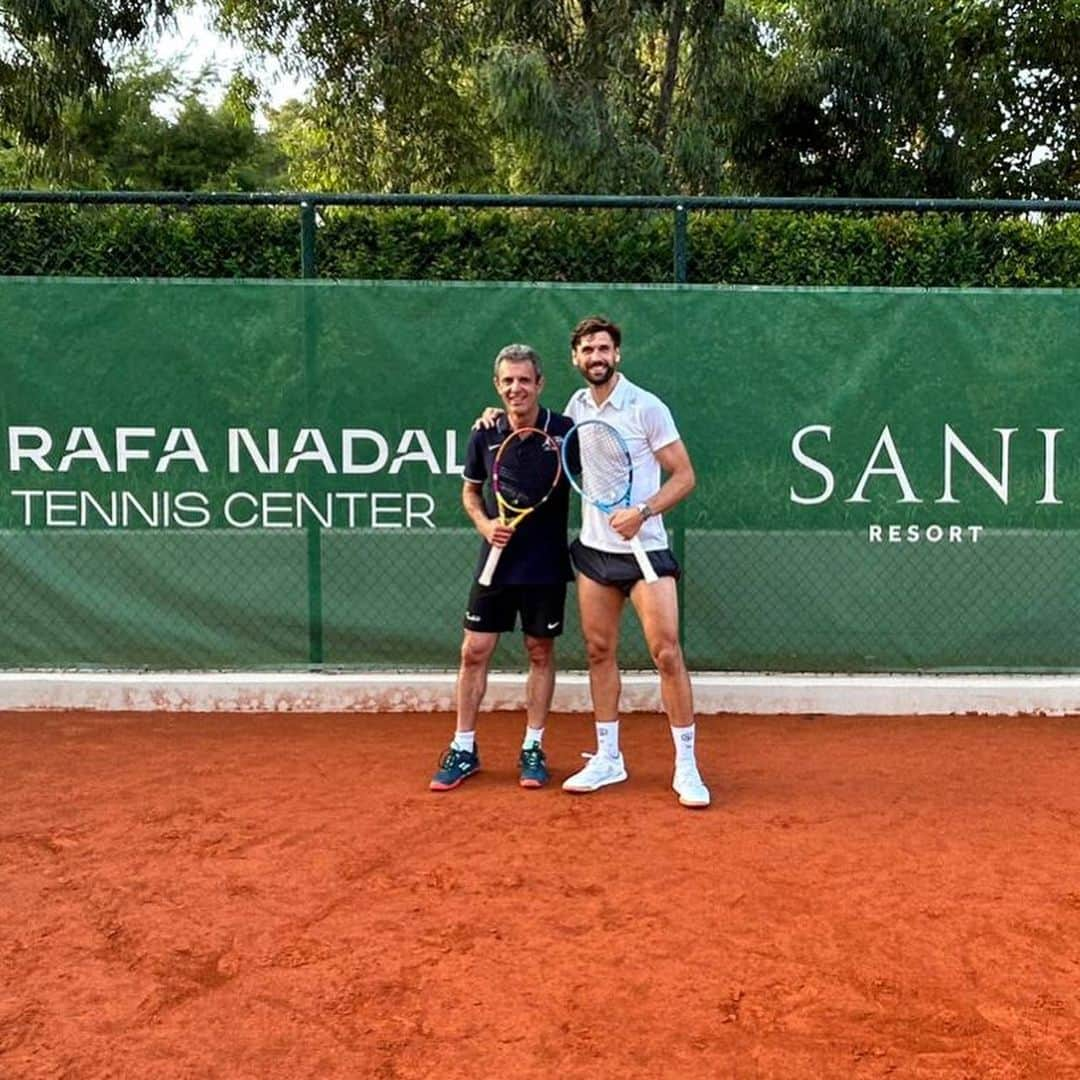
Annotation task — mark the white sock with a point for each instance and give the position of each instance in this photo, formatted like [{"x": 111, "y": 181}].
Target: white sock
[
  {"x": 607, "y": 738},
  {"x": 464, "y": 740},
  {"x": 683, "y": 738},
  {"x": 533, "y": 735}
]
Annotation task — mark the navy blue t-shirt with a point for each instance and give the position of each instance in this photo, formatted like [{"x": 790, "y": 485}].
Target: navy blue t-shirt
[{"x": 537, "y": 552}]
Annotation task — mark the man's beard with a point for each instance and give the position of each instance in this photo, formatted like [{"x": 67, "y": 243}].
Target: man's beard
[{"x": 601, "y": 377}]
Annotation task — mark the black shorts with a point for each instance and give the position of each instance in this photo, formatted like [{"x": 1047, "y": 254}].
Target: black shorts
[
  {"x": 493, "y": 609},
  {"x": 619, "y": 570}
]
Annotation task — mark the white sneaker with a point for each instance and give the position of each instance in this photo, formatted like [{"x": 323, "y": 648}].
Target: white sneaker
[
  {"x": 601, "y": 771},
  {"x": 689, "y": 786}
]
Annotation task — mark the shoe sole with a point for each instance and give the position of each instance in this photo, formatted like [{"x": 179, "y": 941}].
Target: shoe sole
[
  {"x": 436, "y": 786},
  {"x": 595, "y": 787},
  {"x": 694, "y": 805},
  {"x": 530, "y": 783}
]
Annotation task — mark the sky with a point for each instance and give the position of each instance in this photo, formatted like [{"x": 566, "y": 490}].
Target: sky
[{"x": 194, "y": 43}]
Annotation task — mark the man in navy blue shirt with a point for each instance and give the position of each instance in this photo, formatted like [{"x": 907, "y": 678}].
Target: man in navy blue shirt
[{"x": 529, "y": 581}]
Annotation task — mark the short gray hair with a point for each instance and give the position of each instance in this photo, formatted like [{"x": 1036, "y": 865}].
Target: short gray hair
[{"x": 518, "y": 354}]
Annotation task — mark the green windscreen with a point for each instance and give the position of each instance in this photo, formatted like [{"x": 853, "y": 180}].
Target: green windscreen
[{"x": 267, "y": 475}]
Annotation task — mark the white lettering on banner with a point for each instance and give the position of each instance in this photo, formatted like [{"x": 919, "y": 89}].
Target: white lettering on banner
[
  {"x": 191, "y": 450},
  {"x": 999, "y": 485},
  {"x": 242, "y": 437},
  {"x": 131, "y": 449},
  {"x": 894, "y": 468},
  {"x": 125, "y": 452},
  {"x": 77, "y": 509},
  {"x": 813, "y": 464},
  {"x": 885, "y": 460},
  {"x": 1049, "y": 465},
  {"x": 930, "y": 534},
  {"x": 363, "y": 451},
  {"x": 33, "y": 445},
  {"x": 319, "y": 452},
  {"x": 423, "y": 452},
  {"x": 116, "y": 510},
  {"x": 92, "y": 451},
  {"x": 35, "y": 451},
  {"x": 453, "y": 466},
  {"x": 349, "y": 439},
  {"x": 354, "y": 509}
]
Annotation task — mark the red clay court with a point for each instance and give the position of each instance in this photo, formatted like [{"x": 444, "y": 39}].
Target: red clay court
[{"x": 279, "y": 896}]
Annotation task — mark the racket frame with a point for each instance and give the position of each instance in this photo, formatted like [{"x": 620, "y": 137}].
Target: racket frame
[
  {"x": 503, "y": 508},
  {"x": 636, "y": 547}
]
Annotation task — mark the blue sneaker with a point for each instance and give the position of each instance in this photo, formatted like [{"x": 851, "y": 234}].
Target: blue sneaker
[
  {"x": 533, "y": 765},
  {"x": 454, "y": 767}
]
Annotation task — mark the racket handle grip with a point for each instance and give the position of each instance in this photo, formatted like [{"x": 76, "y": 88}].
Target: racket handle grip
[
  {"x": 489, "y": 567},
  {"x": 647, "y": 570}
]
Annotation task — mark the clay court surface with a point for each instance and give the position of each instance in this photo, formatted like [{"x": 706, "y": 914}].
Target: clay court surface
[{"x": 280, "y": 896}]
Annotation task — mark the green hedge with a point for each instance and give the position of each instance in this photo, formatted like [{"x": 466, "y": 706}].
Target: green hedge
[{"x": 761, "y": 248}]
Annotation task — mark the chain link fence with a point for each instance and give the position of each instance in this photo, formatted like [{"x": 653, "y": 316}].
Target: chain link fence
[{"x": 110, "y": 586}]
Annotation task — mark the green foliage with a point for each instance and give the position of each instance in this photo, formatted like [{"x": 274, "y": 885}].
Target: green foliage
[
  {"x": 926, "y": 251},
  {"x": 762, "y": 248},
  {"x": 943, "y": 98},
  {"x": 394, "y": 104},
  {"x": 847, "y": 97},
  {"x": 141, "y": 241},
  {"x": 117, "y": 138},
  {"x": 629, "y": 95},
  {"x": 790, "y": 97},
  {"x": 498, "y": 245},
  {"x": 54, "y": 52}
]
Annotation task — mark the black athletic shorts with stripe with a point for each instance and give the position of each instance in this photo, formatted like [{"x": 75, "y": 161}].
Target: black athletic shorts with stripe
[{"x": 619, "y": 570}]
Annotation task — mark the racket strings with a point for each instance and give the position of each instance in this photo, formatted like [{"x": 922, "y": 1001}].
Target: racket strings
[
  {"x": 605, "y": 469},
  {"x": 526, "y": 470}
]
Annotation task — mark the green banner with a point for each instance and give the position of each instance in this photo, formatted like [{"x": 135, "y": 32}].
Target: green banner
[{"x": 267, "y": 475}]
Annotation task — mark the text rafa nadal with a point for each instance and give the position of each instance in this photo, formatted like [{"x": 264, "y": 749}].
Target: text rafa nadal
[{"x": 178, "y": 452}]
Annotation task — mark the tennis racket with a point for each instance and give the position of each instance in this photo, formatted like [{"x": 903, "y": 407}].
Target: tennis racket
[
  {"x": 597, "y": 463},
  {"x": 526, "y": 471}
]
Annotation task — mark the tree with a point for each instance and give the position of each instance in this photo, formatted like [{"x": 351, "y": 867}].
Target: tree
[
  {"x": 120, "y": 139},
  {"x": 54, "y": 51},
  {"x": 851, "y": 97},
  {"x": 395, "y": 92},
  {"x": 617, "y": 95},
  {"x": 938, "y": 98},
  {"x": 789, "y": 97}
]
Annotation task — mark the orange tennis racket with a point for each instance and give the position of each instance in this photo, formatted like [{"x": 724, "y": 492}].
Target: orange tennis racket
[{"x": 527, "y": 470}]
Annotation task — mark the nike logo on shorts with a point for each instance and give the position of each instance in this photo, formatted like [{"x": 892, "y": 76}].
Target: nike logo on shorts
[
  {"x": 471, "y": 617},
  {"x": 553, "y": 626}
]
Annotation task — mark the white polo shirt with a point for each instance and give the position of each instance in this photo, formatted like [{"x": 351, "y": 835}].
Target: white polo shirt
[{"x": 646, "y": 424}]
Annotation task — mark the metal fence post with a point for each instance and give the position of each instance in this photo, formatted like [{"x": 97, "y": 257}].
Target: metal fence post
[
  {"x": 311, "y": 381},
  {"x": 680, "y": 244},
  {"x": 678, "y": 515}
]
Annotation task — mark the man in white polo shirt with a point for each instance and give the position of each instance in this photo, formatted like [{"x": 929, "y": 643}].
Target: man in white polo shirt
[{"x": 608, "y": 573}]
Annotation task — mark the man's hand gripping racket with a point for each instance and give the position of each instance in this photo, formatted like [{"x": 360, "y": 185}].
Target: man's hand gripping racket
[
  {"x": 597, "y": 463},
  {"x": 527, "y": 470}
]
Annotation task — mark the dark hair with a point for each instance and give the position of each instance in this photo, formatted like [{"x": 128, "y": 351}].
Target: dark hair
[
  {"x": 519, "y": 354},
  {"x": 595, "y": 324}
]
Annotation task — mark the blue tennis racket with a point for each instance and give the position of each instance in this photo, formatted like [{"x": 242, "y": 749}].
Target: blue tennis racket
[{"x": 597, "y": 463}]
